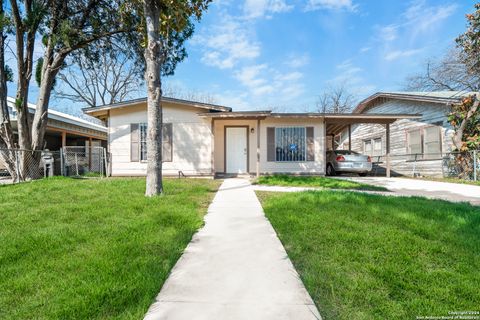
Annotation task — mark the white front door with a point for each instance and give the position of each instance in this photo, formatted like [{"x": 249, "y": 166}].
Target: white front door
[{"x": 236, "y": 150}]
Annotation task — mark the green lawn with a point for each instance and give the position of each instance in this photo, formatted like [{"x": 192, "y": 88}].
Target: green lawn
[
  {"x": 92, "y": 249},
  {"x": 315, "y": 181},
  {"x": 373, "y": 257}
]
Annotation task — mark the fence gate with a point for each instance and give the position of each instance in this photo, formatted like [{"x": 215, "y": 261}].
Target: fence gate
[{"x": 84, "y": 161}]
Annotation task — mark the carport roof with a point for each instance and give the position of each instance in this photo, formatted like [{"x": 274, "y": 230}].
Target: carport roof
[{"x": 336, "y": 122}]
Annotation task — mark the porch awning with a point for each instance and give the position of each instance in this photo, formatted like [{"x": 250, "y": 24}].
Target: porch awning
[{"x": 336, "y": 122}]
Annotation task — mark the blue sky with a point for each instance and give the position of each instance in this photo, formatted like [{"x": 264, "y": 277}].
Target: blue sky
[
  {"x": 262, "y": 54},
  {"x": 282, "y": 54}
]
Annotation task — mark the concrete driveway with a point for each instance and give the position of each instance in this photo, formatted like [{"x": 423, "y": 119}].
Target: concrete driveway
[{"x": 430, "y": 189}]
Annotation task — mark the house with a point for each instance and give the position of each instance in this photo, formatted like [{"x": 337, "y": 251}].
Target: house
[
  {"x": 418, "y": 146},
  {"x": 64, "y": 129},
  {"x": 207, "y": 139}
]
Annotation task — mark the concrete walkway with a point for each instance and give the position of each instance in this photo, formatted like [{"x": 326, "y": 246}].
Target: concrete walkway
[
  {"x": 234, "y": 268},
  {"x": 454, "y": 192}
]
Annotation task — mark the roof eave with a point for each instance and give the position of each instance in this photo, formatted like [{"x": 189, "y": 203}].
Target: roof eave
[
  {"x": 194, "y": 104},
  {"x": 365, "y": 103}
]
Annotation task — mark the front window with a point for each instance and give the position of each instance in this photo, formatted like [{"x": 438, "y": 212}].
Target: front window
[
  {"x": 290, "y": 144},
  {"x": 143, "y": 141}
]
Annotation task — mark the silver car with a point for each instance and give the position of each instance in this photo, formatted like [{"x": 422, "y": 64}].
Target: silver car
[{"x": 347, "y": 161}]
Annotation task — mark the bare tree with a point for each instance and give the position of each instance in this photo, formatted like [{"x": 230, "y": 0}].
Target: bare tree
[
  {"x": 173, "y": 91},
  {"x": 114, "y": 77},
  {"x": 336, "y": 100},
  {"x": 450, "y": 73}
]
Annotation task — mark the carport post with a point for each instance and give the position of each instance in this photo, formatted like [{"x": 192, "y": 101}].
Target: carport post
[
  {"x": 64, "y": 139},
  {"x": 258, "y": 148},
  {"x": 349, "y": 137},
  {"x": 388, "y": 149},
  {"x": 90, "y": 142}
]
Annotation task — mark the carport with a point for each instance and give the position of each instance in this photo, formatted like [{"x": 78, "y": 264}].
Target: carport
[{"x": 338, "y": 123}]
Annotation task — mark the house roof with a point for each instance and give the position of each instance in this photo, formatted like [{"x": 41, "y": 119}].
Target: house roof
[
  {"x": 329, "y": 117},
  {"x": 63, "y": 117},
  {"x": 195, "y": 104},
  {"x": 440, "y": 97}
]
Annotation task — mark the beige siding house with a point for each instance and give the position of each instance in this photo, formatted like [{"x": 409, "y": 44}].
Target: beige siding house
[{"x": 204, "y": 139}]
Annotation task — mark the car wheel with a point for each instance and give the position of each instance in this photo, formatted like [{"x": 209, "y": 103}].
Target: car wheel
[
  {"x": 330, "y": 170},
  {"x": 362, "y": 174}
]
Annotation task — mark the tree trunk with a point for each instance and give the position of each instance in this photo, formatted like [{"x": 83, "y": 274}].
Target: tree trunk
[
  {"x": 154, "y": 96},
  {"x": 7, "y": 155},
  {"x": 458, "y": 135}
]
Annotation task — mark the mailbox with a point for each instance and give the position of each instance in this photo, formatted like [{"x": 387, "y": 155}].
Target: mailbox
[{"x": 48, "y": 163}]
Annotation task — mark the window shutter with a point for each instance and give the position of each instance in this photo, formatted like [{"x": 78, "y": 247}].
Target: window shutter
[
  {"x": 167, "y": 142},
  {"x": 134, "y": 143},
  {"x": 270, "y": 144},
  {"x": 310, "y": 145}
]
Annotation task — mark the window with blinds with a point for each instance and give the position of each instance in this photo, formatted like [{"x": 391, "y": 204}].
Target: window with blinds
[
  {"x": 415, "y": 145},
  {"x": 290, "y": 144},
  {"x": 373, "y": 147},
  {"x": 367, "y": 147},
  {"x": 377, "y": 147},
  {"x": 139, "y": 142},
  {"x": 432, "y": 143},
  {"x": 143, "y": 141}
]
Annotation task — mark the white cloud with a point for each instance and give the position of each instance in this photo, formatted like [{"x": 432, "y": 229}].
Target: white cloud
[
  {"x": 396, "y": 54},
  {"x": 423, "y": 17},
  {"x": 262, "y": 80},
  {"x": 331, "y": 5},
  {"x": 259, "y": 8},
  {"x": 365, "y": 49},
  {"x": 292, "y": 76},
  {"x": 418, "y": 19},
  {"x": 351, "y": 76},
  {"x": 388, "y": 33},
  {"x": 228, "y": 43},
  {"x": 298, "y": 61}
]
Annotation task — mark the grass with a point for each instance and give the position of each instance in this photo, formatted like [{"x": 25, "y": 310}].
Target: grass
[
  {"x": 375, "y": 257},
  {"x": 315, "y": 181},
  {"x": 92, "y": 249}
]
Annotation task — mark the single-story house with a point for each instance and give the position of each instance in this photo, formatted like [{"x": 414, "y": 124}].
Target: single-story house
[
  {"x": 208, "y": 139},
  {"x": 64, "y": 129},
  {"x": 417, "y": 145}
]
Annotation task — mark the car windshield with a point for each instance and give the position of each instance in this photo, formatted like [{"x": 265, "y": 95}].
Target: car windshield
[{"x": 346, "y": 152}]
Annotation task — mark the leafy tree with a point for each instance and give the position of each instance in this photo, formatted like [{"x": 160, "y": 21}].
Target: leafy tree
[
  {"x": 66, "y": 27},
  {"x": 167, "y": 24},
  {"x": 465, "y": 117}
]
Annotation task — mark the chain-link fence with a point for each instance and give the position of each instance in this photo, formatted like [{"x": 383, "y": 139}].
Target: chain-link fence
[
  {"x": 463, "y": 165},
  {"x": 23, "y": 165}
]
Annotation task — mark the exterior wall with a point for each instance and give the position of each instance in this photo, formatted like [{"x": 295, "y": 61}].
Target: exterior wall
[
  {"x": 191, "y": 140},
  {"x": 431, "y": 113},
  {"x": 267, "y": 167}
]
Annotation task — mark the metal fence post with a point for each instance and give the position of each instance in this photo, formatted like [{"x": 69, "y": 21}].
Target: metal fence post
[
  {"x": 475, "y": 165},
  {"x": 76, "y": 163},
  {"x": 17, "y": 165},
  {"x": 105, "y": 161},
  {"x": 62, "y": 172}
]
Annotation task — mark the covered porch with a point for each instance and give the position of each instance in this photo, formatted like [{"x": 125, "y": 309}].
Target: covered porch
[{"x": 249, "y": 142}]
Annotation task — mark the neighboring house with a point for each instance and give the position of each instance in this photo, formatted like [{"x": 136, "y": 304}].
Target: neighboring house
[
  {"x": 64, "y": 129},
  {"x": 207, "y": 139},
  {"x": 416, "y": 144}
]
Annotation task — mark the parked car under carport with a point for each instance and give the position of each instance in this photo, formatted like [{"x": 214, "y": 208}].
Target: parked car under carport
[{"x": 346, "y": 161}]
